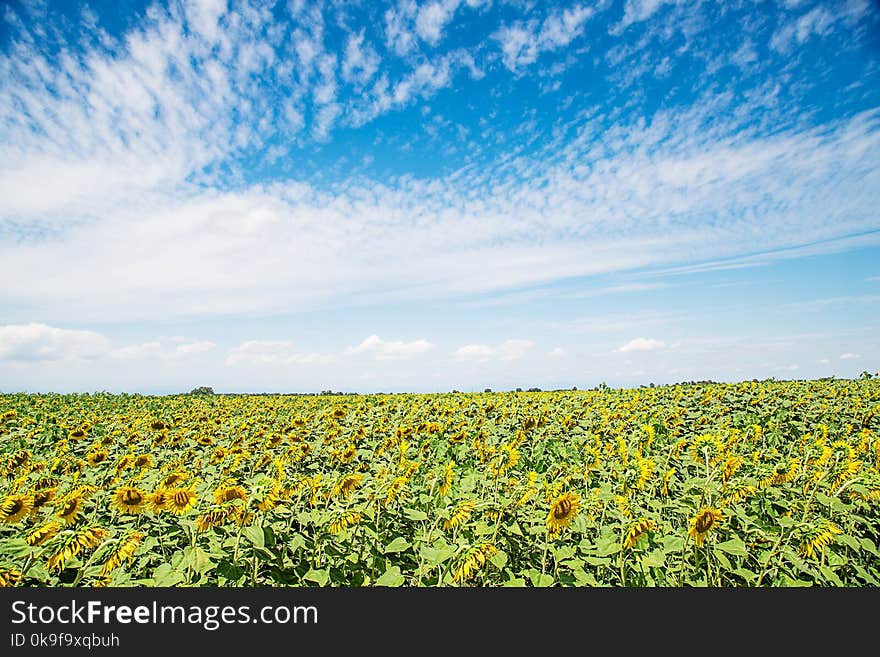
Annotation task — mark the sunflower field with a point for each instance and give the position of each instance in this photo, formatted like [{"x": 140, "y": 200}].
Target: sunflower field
[{"x": 773, "y": 483}]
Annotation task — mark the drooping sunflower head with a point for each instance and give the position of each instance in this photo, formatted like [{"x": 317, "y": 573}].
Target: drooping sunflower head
[
  {"x": 96, "y": 456},
  {"x": 143, "y": 461},
  {"x": 70, "y": 507},
  {"x": 180, "y": 500},
  {"x": 174, "y": 478},
  {"x": 15, "y": 507},
  {"x": 562, "y": 512},
  {"x": 636, "y": 530},
  {"x": 706, "y": 520},
  {"x": 129, "y": 500},
  {"x": 229, "y": 493},
  {"x": 44, "y": 496},
  {"x": 158, "y": 500},
  {"x": 77, "y": 434}
]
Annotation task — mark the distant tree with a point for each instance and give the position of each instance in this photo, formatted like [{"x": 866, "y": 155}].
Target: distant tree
[
  {"x": 519, "y": 389},
  {"x": 202, "y": 390},
  {"x": 534, "y": 390},
  {"x": 488, "y": 390}
]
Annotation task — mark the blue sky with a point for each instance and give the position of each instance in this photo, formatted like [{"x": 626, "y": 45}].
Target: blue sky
[{"x": 296, "y": 196}]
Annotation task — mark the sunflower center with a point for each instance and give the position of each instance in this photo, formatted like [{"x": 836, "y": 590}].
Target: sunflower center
[
  {"x": 562, "y": 509},
  {"x": 704, "y": 522},
  {"x": 180, "y": 498},
  {"x": 132, "y": 498},
  {"x": 69, "y": 508},
  {"x": 12, "y": 507}
]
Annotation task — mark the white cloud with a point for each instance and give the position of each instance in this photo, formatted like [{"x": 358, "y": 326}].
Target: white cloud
[
  {"x": 819, "y": 21},
  {"x": 260, "y": 352},
  {"x": 393, "y": 350},
  {"x": 556, "y": 352},
  {"x": 433, "y": 17},
  {"x": 40, "y": 342},
  {"x": 521, "y": 43},
  {"x": 360, "y": 62},
  {"x": 824, "y": 361},
  {"x": 642, "y": 344},
  {"x": 156, "y": 350},
  {"x": 637, "y": 11},
  {"x": 509, "y": 350},
  {"x": 849, "y": 356}
]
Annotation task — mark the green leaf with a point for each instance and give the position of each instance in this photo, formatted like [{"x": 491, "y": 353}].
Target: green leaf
[
  {"x": 320, "y": 577},
  {"x": 499, "y": 559},
  {"x": 673, "y": 544},
  {"x": 852, "y": 542},
  {"x": 255, "y": 535},
  {"x": 518, "y": 582},
  {"x": 655, "y": 559},
  {"x": 166, "y": 575},
  {"x": 415, "y": 514},
  {"x": 15, "y": 547},
  {"x": 399, "y": 544},
  {"x": 734, "y": 546},
  {"x": 541, "y": 580},
  {"x": 198, "y": 560},
  {"x": 607, "y": 546},
  {"x": 434, "y": 556},
  {"x": 391, "y": 577}
]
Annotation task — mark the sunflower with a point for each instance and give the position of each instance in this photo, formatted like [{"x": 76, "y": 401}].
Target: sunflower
[
  {"x": 158, "y": 500},
  {"x": 636, "y": 531},
  {"x": 344, "y": 522},
  {"x": 43, "y": 533},
  {"x": 74, "y": 543},
  {"x": 180, "y": 500},
  {"x": 448, "y": 474},
  {"x": 129, "y": 499},
  {"x": 123, "y": 552},
  {"x": 346, "y": 485},
  {"x": 819, "y": 539},
  {"x": 96, "y": 456},
  {"x": 215, "y": 517},
  {"x": 562, "y": 512},
  {"x": 460, "y": 515},
  {"x": 218, "y": 455},
  {"x": 70, "y": 507},
  {"x": 15, "y": 507},
  {"x": 44, "y": 496},
  {"x": 229, "y": 493},
  {"x": 474, "y": 560},
  {"x": 707, "y": 519},
  {"x": 9, "y": 576},
  {"x": 174, "y": 478},
  {"x": 143, "y": 461},
  {"x": 77, "y": 434}
]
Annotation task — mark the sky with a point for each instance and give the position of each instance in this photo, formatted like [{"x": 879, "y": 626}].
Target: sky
[{"x": 292, "y": 196}]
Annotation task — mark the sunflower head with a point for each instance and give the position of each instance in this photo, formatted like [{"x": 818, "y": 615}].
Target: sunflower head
[
  {"x": 180, "y": 500},
  {"x": 129, "y": 500},
  {"x": 15, "y": 507},
  {"x": 70, "y": 507},
  {"x": 706, "y": 520},
  {"x": 143, "y": 461},
  {"x": 97, "y": 456},
  {"x": 77, "y": 434},
  {"x": 562, "y": 512},
  {"x": 229, "y": 493}
]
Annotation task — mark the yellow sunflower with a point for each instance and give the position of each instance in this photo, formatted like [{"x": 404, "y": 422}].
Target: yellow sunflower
[
  {"x": 229, "y": 493},
  {"x": 158, "y": 501},
  {"x": 562, "y": 512},
  {"x": 707, "y": 519},
  {"x": 15, "y": 507},
  {"x": 180, "y": 500},
  {"x": 97, "y": 456},
  {"x": 129, "y": 499},
  {"x": 71, "y": 507}
]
